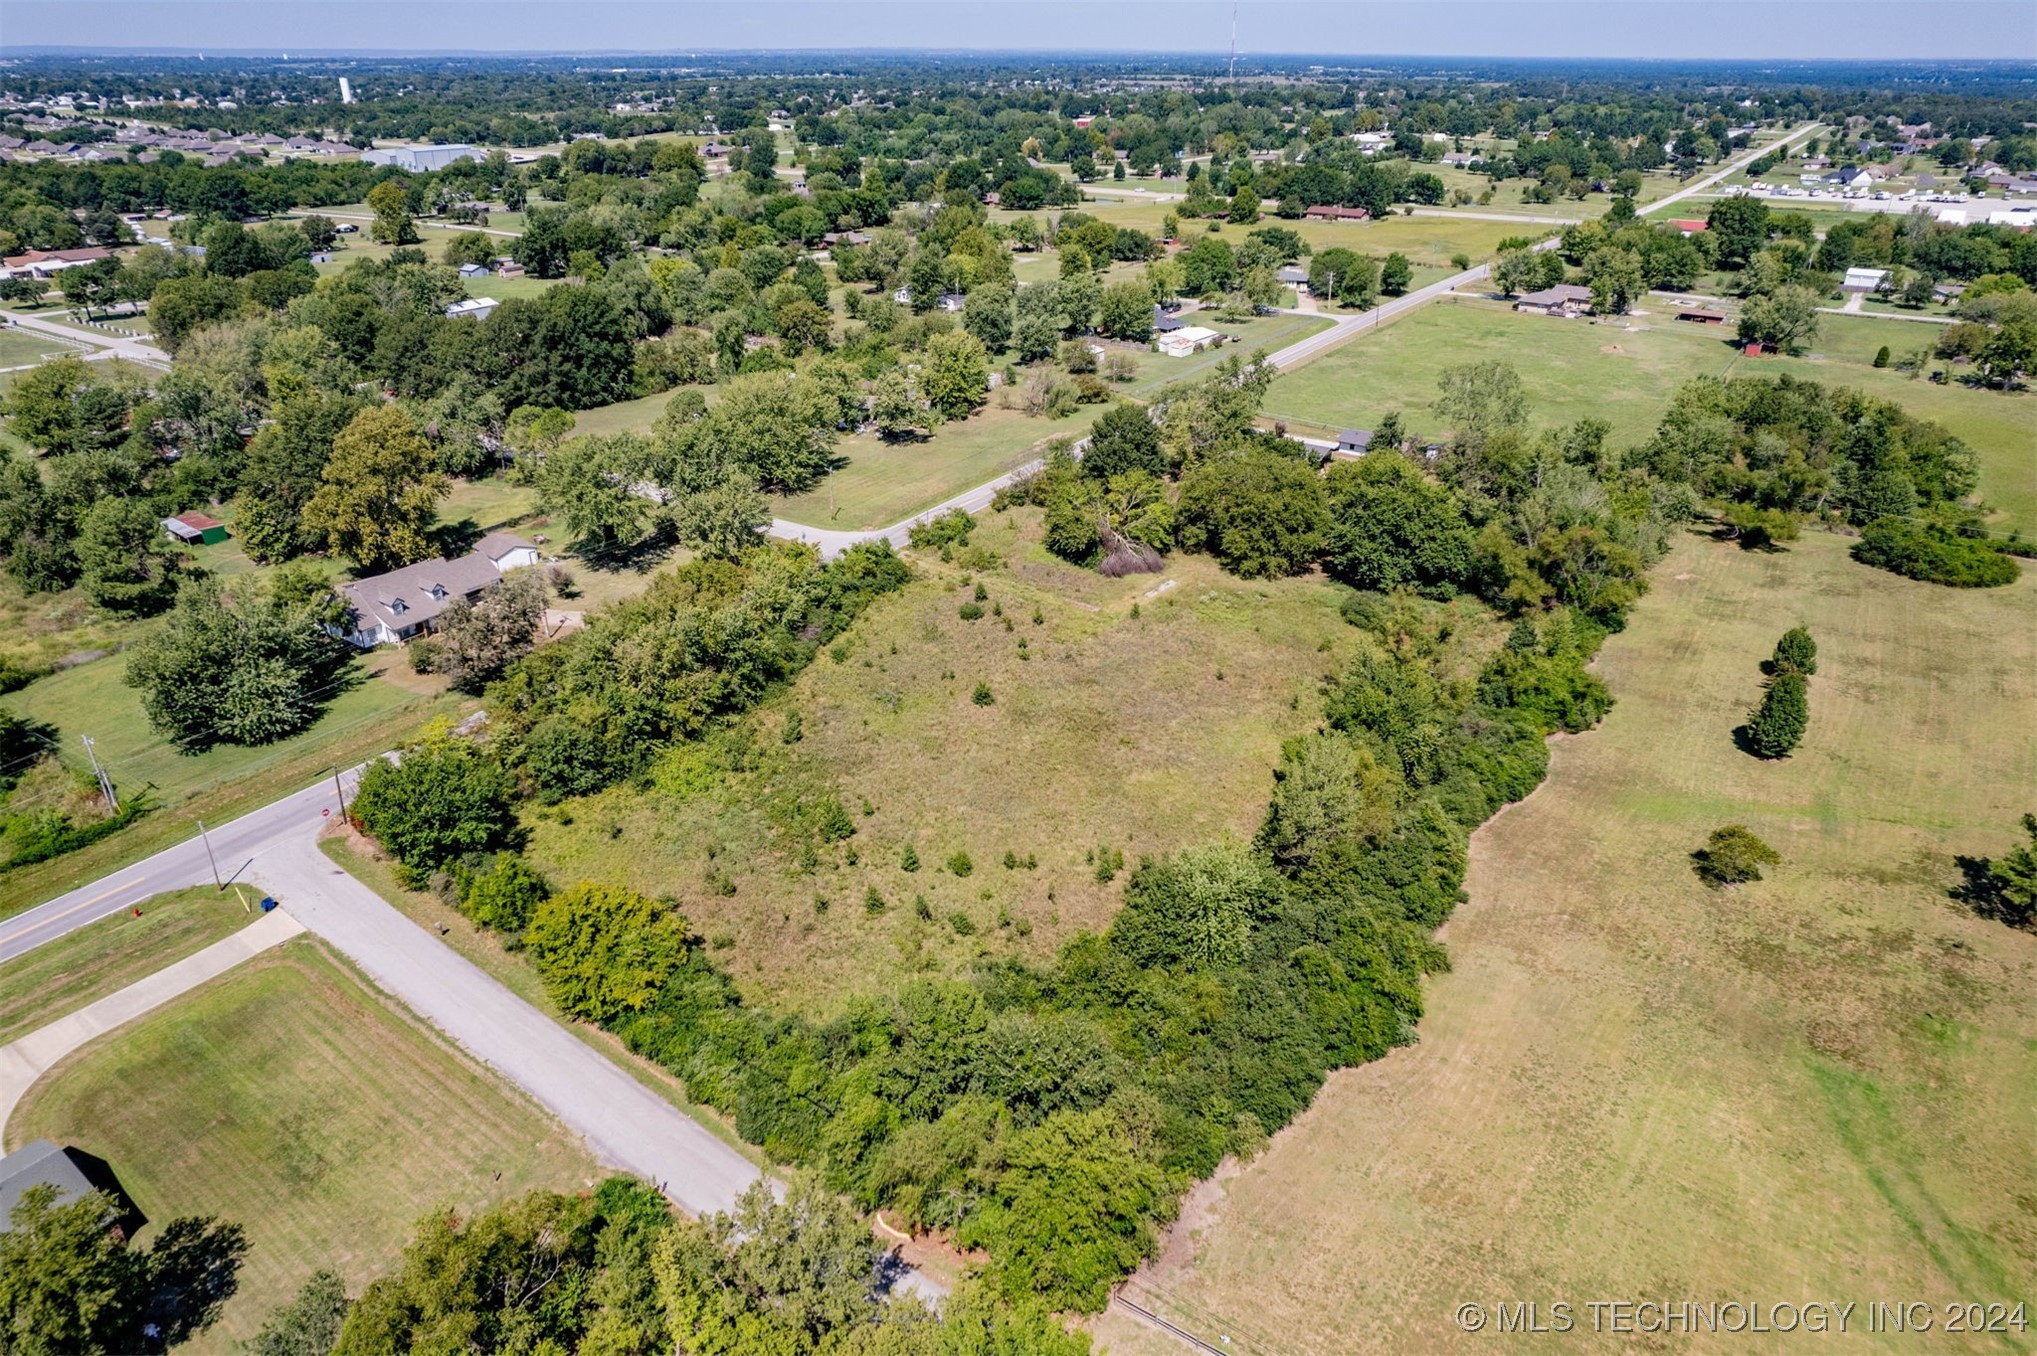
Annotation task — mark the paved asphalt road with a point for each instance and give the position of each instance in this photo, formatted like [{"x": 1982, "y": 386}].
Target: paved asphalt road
[
  {"x": 109, "y": 345},
  {"x": 833, "y": 542},
  {"x": 274, "y": 849}
]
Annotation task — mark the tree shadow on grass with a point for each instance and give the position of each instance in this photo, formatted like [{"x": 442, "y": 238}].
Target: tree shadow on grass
[{"x": 1981, "y": 890}]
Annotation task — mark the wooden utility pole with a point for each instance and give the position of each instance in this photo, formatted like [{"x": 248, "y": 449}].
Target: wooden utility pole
[
  {"x": 105, "y": 782},
  {"x": 216, "y": 881}
]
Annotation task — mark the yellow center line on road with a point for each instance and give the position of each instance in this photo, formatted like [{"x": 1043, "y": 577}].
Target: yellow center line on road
[{"x": 96, "y": 899}]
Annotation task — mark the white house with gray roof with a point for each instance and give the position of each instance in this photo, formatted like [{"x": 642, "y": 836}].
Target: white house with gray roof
[{"x": 389, "y": 609}]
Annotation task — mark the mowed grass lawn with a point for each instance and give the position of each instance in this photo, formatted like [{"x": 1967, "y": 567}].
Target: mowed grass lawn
[
  {"x": 84, "y": 966},
  {"x": 289, "y": 1098},
  {"x": 1144, "y": 734},
  {"x": 881, "y": 483},
  {"x": 1818, "y": 1086},
  {"x": 374, "y": 715},
  {"x": 1428, "y": 241},
  {"x": 1627, "y": 376},
  {"x": 92, "y": 699},
  {"x": 19, "y": 348}
]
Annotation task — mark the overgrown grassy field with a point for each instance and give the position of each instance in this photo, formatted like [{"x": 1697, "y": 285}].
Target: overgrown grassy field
[
  {"x": 1631, "y": 1086},
  {"x": 1425, "y": 240},
  {"x": 289, "y": 1098},
  {"x": 82, "y": 967},
  {"x": 1139, "y": 734},
  {"x": 1627, "y": 373},
  {"x": 883, "y": 483}
]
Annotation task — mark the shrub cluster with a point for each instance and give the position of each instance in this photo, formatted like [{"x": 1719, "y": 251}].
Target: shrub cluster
[
  {"x": 1936, "y": 556},
  {"x": 1051, "y": 1115}
]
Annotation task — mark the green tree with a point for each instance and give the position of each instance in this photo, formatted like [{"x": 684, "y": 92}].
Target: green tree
[
  {"x": 232, "y": 671},
  {"x": 1126, "y": 312},
  {"x": 128, "y": 563},
  {"x": 1395, "y": 274},
  {"x": 1733, "y": 856},
  {"x": 605, "y": 950},
  {"x": 1392, "y": 527},
  {"x": 1616, "y": 279},
  {"x": 780, "y": 426},
  {"x": 65, "y": 1279},
  {"x": 792, "y": 1276},
  {"x": 284, "y": 464},
  {"x": 590, "y": 485},
  {"x": 1244, "y": 206},
  {"x": 391, "y": 206},
  {"x": 69, "y": 1284},
  {"x": 504, "y": 894},
  {"x": 1198, "y": 908},
  {"x": 1738, "y": 226},
  {"x": 897, "y": 406},
  {"x": 1481, "y": 400},
  {"x": 724, "y": 519},
  {"x": 1776, "y": 726},
  {"x": 956, "y": 374},
  {"x": 377, "y": 495},
  {"x": 1072, "y": 1210},
  {"x": 1796, "y": 651},
  {"x": 2005, "y": 888},
  {"x": 62, "y": 406},
  {"x": 1261, "y": 514},
  {"x": 308, "y": 1325},
  {"x": 1124, "y": 438},
  {"x": 441, "y": 800},
  {"x": 1339, "y": 274},
  {"x": 1787, "y": 318},
  {"x": 1208, "y": 266},
  {"x": 477, "y": 640},
  {"x": 1327, "y": 789}
]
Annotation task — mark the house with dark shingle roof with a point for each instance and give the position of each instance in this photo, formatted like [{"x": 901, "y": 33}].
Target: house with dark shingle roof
[
  {"x": 389, "y": 609},
  {"x": 38, "y": 1163}
]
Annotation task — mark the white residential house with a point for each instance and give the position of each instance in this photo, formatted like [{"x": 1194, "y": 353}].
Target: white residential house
[
  {"x": 389, "y": 609},
  {"x": 1863, "y": 279},
  {"x": 480, "y": 308},
  {"x": 1186, "y": 340},
  {"x": 507, "y": 551}
]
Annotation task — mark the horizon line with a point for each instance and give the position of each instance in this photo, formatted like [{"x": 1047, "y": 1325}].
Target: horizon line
[{"x": 280, "y": 54}]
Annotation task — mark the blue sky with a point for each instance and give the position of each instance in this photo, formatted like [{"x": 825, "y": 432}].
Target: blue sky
[{"x": 1671, "y": 29}]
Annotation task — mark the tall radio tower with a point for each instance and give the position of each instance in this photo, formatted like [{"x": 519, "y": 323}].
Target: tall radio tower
[{"x": 1234, "y": 41}]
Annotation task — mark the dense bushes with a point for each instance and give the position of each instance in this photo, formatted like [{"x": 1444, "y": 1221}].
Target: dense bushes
[
  {"x": 442, "y": 800},
  {"x": 1051, "y": 1114},
  {"x": 703, "y": 642},
  {"x": 612, "y": 1271},
  {"x": 1934, "y": 555}
]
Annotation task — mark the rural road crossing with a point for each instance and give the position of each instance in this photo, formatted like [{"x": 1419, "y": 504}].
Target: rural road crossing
[
  {"x": 833, "y": 542},
  {"x": 28, "y": 1059},
  {"x": 625, "y": 1124}
]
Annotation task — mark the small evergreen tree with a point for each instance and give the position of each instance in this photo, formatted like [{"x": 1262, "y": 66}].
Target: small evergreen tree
[
  {"x": 1796, "y": 651},
  {"x": 1775, "y": 727}
]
